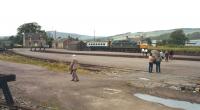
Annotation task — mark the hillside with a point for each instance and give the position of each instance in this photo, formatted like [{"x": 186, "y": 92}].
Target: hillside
[
  {"x": 192, "y": 33},
  {"x": 4, "y": 37},
  {"x": 65, "y": 35},
  {"x": 160, "y": 32}
]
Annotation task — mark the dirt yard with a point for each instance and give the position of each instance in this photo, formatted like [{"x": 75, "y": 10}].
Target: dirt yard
[{"x": 108, "y": 89}]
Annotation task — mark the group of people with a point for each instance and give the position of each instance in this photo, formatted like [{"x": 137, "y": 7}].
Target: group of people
[
  {"x": 155, "y": 57},
  {"x": 167, "y": 55},
  {"x": 154, "y": 60}
]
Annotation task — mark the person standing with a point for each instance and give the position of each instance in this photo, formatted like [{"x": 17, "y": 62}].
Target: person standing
[
  {"x": 158, "y": 61},
  {"x": 151, "y": 61},
  {"x": 162, "y": 55},
  {"x": 171, "y": 54},
  {"x": 73, "y": 69},
  {"x": 166, "y": 56},
  {"x": 142, "y": 51},
  {"x": 146, "y": 52}
]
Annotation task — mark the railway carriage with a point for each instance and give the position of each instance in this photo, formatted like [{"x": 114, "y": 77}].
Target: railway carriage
[{"x": 98, "y": 45}]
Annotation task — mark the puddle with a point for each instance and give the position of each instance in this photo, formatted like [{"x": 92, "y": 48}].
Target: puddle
[
  {"x": 111, "y": 91},
  {"x": 146, "y": 79},
  {"x": 169, "y": 102}
]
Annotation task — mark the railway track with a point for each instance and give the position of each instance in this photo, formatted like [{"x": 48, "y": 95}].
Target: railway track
[{"x": 128, "y": 55}]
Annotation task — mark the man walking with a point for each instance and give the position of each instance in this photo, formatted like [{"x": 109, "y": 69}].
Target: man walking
[{"x": 73, "y": 68}]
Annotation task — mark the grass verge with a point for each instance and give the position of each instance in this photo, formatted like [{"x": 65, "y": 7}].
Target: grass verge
[
  {"x": 53, "y": 66},
  {"x": 178, "y": 49}
]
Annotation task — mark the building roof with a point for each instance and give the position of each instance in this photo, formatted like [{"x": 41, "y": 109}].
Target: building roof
[
  {"x": 74, "y": 42},
  {"x": 61, "y": 40}
]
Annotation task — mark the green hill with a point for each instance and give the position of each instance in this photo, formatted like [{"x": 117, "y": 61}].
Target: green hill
[
  {"x": 192, "y": 33},
  {"x": 160, "y": 32},
  {"x": 65, "y": 35}
]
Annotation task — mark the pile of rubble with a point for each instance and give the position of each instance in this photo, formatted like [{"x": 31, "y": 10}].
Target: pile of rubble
[
  {"x": 195, "y": 88},
  {"x": 22, "y": 104}
]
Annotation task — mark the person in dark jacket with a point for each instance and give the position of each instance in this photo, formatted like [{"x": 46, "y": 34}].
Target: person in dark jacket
[
  {"x": 158, "y": 60},
  {"x": 166, "y": 56},
  {"x": 171, "y": 55}
]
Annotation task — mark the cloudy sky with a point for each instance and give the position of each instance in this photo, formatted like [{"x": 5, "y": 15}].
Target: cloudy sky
[{"x": 107, "y": 17}]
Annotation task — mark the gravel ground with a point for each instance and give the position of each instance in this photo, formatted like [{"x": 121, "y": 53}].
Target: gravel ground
[{"x": 108, "y": 89}]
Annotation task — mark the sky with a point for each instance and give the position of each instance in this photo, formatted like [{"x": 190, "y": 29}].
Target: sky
[{"x": 106, "y": 17}]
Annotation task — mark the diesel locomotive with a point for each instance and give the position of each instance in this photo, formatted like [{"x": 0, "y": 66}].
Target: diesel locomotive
[{"x": 116, "y": 45}]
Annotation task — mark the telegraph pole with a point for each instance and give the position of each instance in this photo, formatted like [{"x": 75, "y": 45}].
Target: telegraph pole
[
  {"x": 94, "y": 34},
  {"x": 24, "y": 40},
  {"x": 55, "y": 34}
]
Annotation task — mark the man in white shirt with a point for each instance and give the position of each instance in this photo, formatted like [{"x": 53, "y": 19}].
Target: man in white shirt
[
  {"x": 145, "y": 51},
  {"x": 142, "y": 52}
]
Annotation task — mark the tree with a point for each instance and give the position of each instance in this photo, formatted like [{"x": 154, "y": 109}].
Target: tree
[
  {"x": 164, "y": 42},
  {"x": 77, "y": 39},
  {"x": 178, "y": 37},
  {"x": 195, "y": 35},
  {"x": 12, "y": 39},
  {"x": 49, "y": 41},
  {"x": 25, "y": 29},
  {"x": 71, "y": 38},
  {"x": 16, "y": 39},
  {"x": 28, "y": 28},
  {"x": 148, "y": 40}
]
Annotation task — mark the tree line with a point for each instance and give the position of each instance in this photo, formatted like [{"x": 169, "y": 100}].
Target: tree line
[
  {"x": 177, "y": 37},
  {"x": 29, "y": 28}
]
